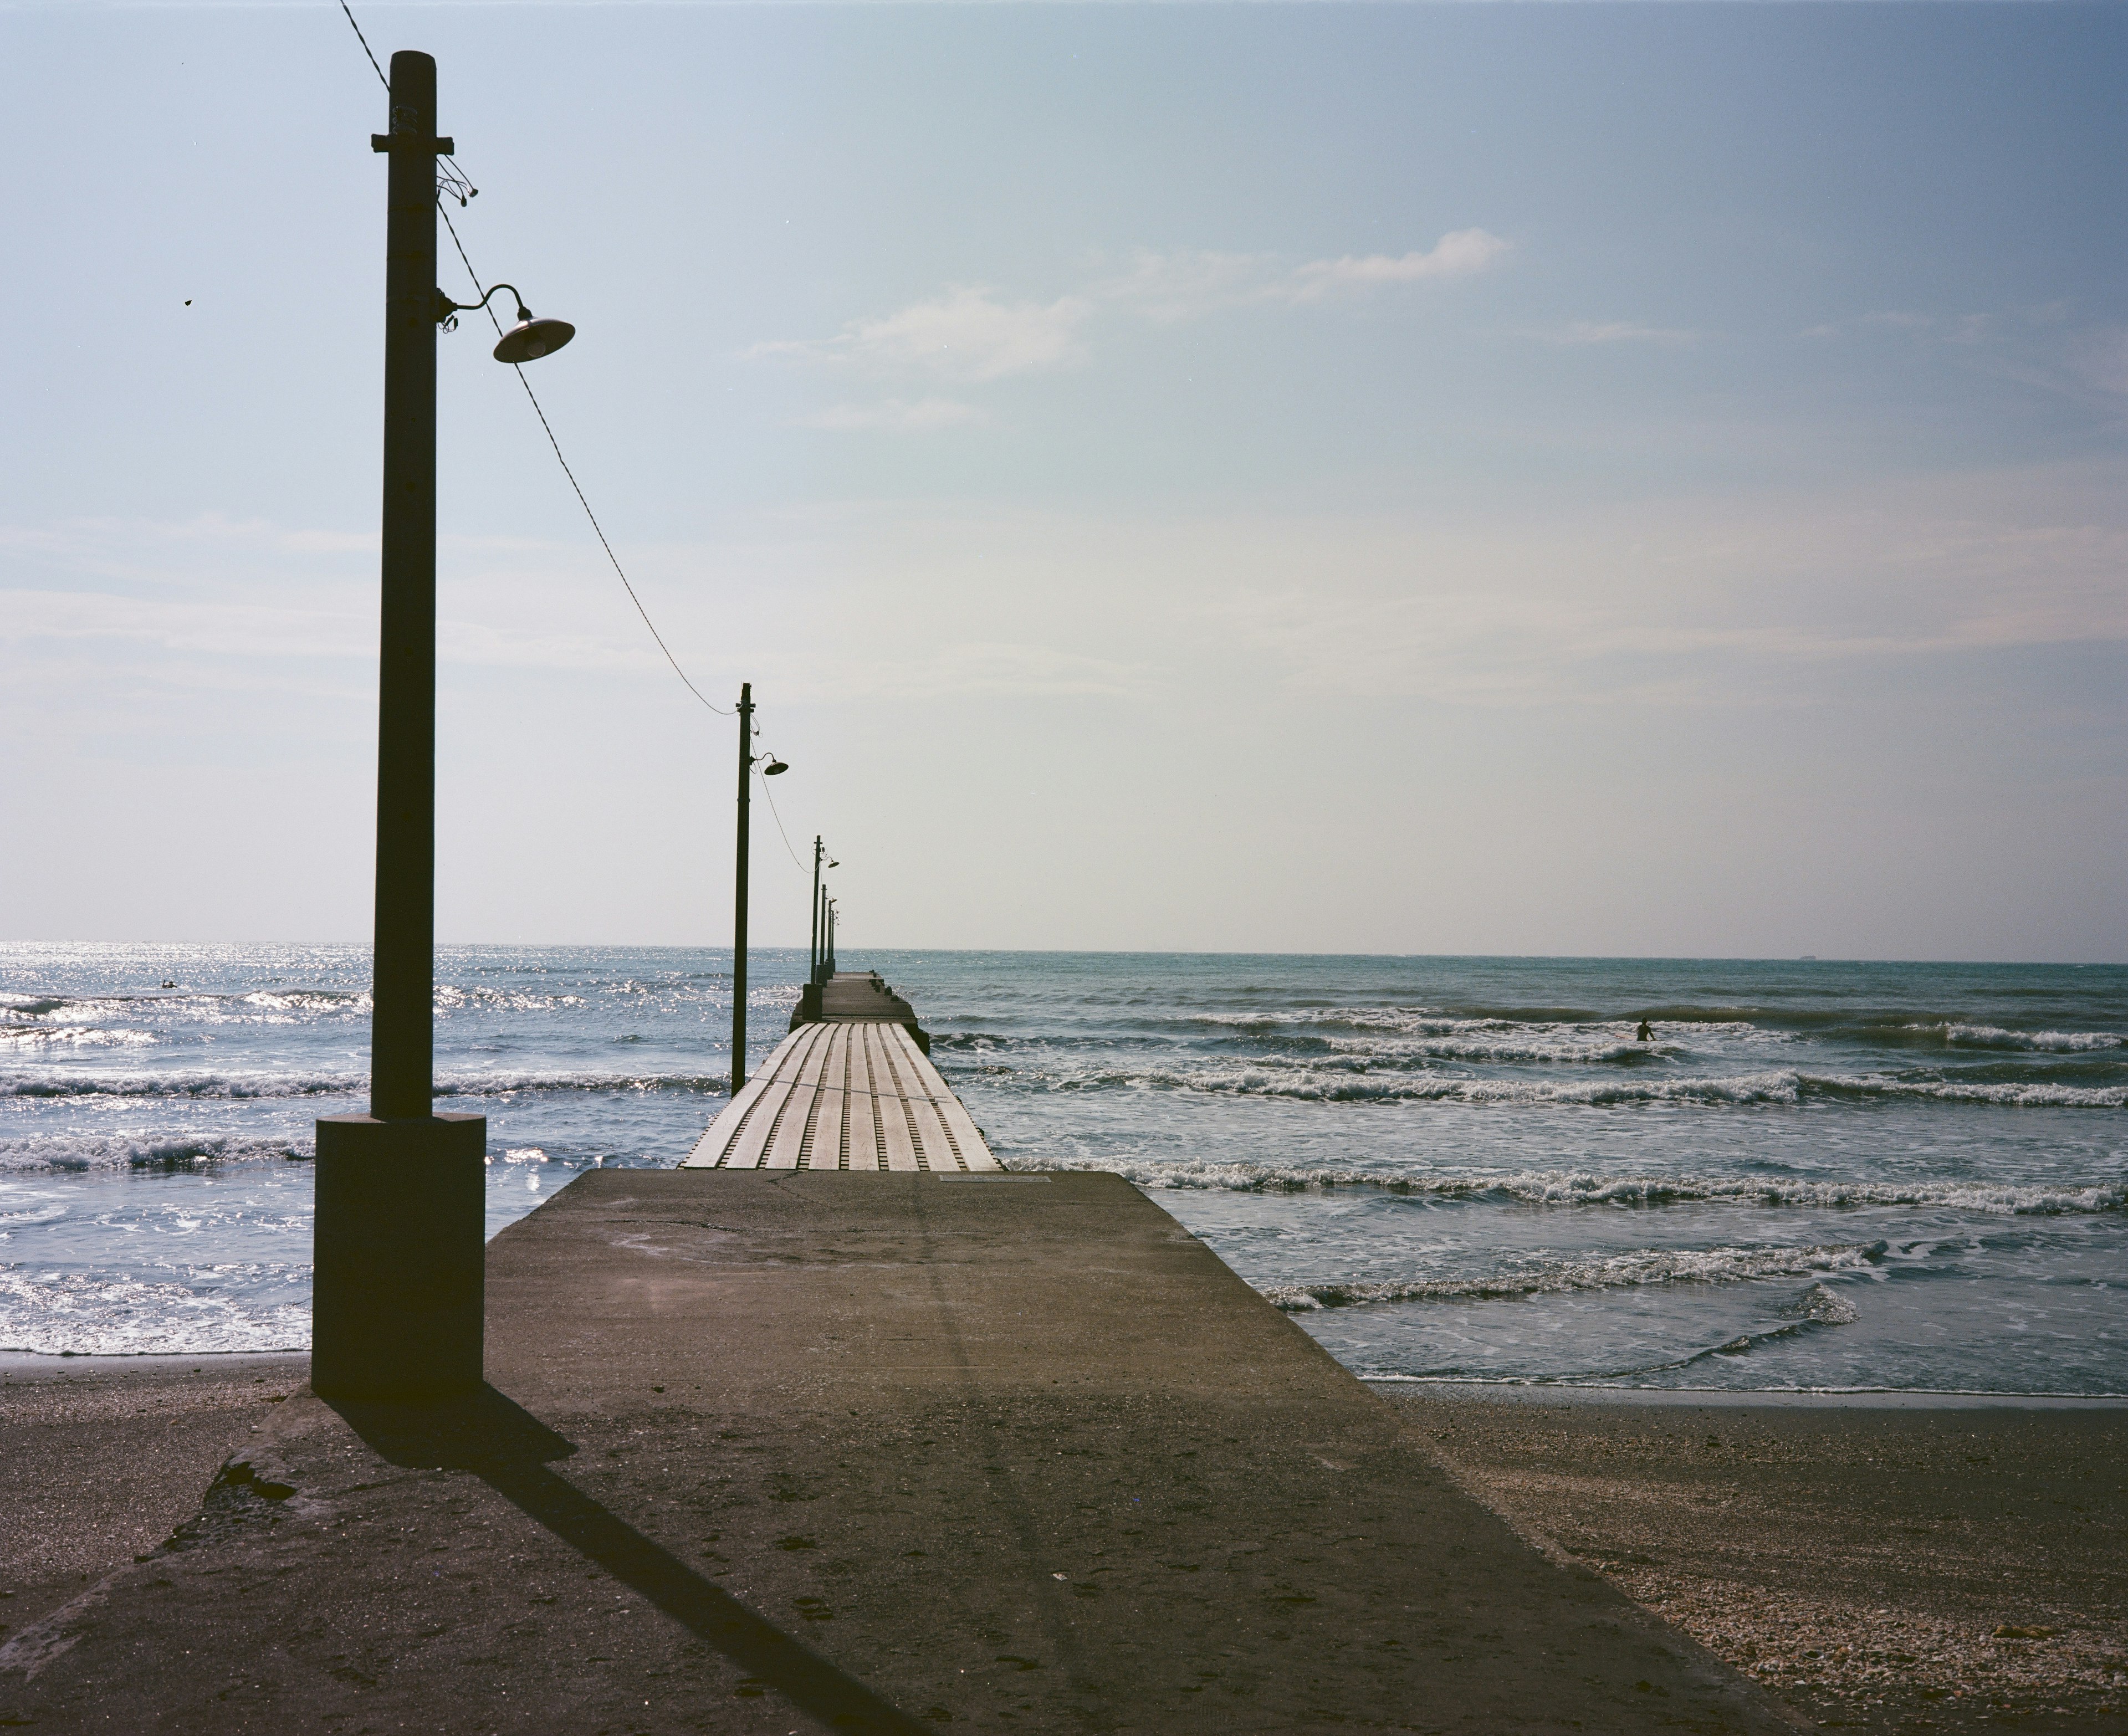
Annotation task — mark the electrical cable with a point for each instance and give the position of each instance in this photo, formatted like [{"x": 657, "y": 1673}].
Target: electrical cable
[
  {"x": 364, "y": 41},
  {"x": 598, "y": 529},
  {"x": 453, "y": 182},
  {"x": 462, "y": 189},
  {"x": 779, "y": 831}
]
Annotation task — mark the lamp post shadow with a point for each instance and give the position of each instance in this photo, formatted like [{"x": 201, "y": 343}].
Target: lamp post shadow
[{"x": 510, "y": 1450}]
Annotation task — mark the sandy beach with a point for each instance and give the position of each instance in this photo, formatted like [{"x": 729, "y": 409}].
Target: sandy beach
[
  {"x": 1899, "y": 1565},
  {"x": 103, "y": 1456},
  {"x": 1880, "y": 1566}
]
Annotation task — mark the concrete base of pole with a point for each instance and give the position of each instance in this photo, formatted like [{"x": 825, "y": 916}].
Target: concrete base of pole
[{"x": 400, "y": 1257}]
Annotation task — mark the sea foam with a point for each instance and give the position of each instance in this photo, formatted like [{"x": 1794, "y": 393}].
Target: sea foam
[{"x": 1640, "y": 1267}]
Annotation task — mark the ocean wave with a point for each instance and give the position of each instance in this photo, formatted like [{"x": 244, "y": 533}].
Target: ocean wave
[
  {"x": 1311, "y": 1085},
  {"x": 182, "y": 1087},
  {"x": 23, "y": 1035},
  {"x": 75, "y": 1151},
  {"x": 306, "y": 1000},
  {"x": 1312, "y": 1082},
  {"x": 1616, "y": 1271},
  {"x": 206, "y": 1310},
  {"x": 1827, "y": 1306},
  {"x": 450, "y": 996},
  {"x": 1577, "y": 1188},
  {"x": 2050, "y": 1042},
  {"x": 2013, "y": 1094}
]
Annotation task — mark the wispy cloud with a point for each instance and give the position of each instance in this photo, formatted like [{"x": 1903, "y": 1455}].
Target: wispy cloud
[
  {"x": 1185, "y": 285},
  {"x": 1942, "y": 327},
  {"x": 894, "y": 415},
  {"x": 1461, "y": 253},
  {"x": 1172, "y": 287},
  {"x": 967, "y": 334},
  {"x": 971, "y": 334}
]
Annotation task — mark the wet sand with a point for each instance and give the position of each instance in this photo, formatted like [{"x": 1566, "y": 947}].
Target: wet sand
[
  {"x": 1878, "y": 1567},
  {"x": 103, "y": 1456}
]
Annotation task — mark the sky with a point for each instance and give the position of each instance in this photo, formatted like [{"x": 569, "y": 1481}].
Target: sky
[{"x": 1588, "y": 478}]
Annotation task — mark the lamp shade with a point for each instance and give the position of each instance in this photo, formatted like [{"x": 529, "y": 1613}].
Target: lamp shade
[{"x": 529, "y": 340}]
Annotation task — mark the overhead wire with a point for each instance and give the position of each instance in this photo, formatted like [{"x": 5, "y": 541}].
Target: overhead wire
[
  {"x": 457, "y": 186},
  {"x": 366, "y": 47},
  {"x": 597, "y": 530},
  {"x": 779, "y": 831}
]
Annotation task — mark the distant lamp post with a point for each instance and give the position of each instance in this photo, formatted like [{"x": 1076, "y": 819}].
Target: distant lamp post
[
  {"x": 747, "y": 759},
  {"x": 398, "y": 1250},
  {"x": 820, "y": 928}
]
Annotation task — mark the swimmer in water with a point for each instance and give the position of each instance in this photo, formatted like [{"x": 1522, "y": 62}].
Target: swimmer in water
[{"x": 1646, "y": 1034}]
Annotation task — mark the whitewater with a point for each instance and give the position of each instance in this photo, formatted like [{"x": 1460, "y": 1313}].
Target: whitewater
[{"x": 1814, "y": 1175}]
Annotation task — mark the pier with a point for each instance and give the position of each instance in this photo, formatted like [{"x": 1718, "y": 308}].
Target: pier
[
  {"x": 855, "y": 1089},
  {"x": 767, "y": 1447}
]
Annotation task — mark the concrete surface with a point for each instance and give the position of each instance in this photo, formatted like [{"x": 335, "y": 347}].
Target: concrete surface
[{"x": 862, "y": 1451}]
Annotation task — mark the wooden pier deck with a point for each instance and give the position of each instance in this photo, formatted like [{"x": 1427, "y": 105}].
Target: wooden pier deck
[
  {"x": 862, "y": 994},
  {"x": 850, "y": 1092}
]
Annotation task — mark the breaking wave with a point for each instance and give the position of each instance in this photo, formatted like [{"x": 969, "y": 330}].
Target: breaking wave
[
  {"x": 183, "y": 1086},
  {"x": 1573, "y": 1188},
  {"x": 248, "y": 1306},
  {"x": 78, "y": 1152},
  {"x": 1615, "y": 1271},
  {"x": 20, "y": 1034},
  {"x": 1307, "y": 1082},
  {"x": 2048, "y": 1042}
]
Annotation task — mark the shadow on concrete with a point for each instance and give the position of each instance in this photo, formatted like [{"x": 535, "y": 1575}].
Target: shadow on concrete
[{"x": 510, "y": 1450}]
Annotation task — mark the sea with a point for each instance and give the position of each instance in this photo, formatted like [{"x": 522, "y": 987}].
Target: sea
[{"x": 1811, "y": 1175}]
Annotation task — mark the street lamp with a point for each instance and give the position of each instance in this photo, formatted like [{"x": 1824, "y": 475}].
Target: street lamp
[
  {"x": 812, "y": 975},
  {"x": 747, "y": 759},
  {"x": 526, "y": 341},
  {"x": 398, "y": 1249}
]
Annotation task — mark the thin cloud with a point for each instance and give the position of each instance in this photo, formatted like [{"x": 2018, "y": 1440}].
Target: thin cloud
[
  {"x": 1461, "y": 253},
  {"x": 1180, "y": 286},
  {"x": 970, "y": 336},
  {"x": 967, "y": 334},
  {"x": 1965, "y": 329},
  {"x": 1172, "y": 287}
]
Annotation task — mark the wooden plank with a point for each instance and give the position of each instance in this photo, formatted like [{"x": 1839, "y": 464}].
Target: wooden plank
[
  {"x": 910, "y": 1108},
  {"x": 788, "y": 1134},
  {"x": 710, "y": 1150},
  {"x": 856, "y": 1094},
  {"x": 787, "y": 1139},
  {"x": 937, "y": 1140},
  {"x": 749, "y": 1149},
  {"x": 975, "y": 1151},
  {"x": 839, "y": 1082},
  {"x": 890, "y": 1126},
  {"x": 813, "y": 1086}
]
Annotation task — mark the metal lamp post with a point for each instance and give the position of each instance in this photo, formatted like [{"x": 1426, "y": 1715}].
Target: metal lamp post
[
  {"x": 775, "y": 767},
  {"x": 398, "y": 1247},
  {"x": 820, "y": 928}
]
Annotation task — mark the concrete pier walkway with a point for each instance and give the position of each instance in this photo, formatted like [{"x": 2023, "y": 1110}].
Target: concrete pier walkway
[{"x": 767, "y": 1451}]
